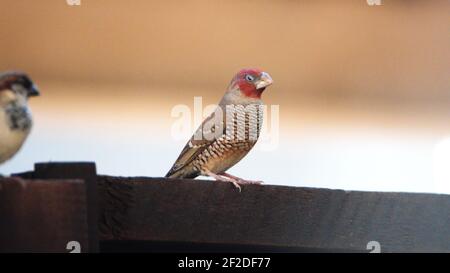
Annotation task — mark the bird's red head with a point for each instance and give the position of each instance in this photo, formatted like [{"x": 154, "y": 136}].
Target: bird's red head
[{"x": 251, "y": 82}]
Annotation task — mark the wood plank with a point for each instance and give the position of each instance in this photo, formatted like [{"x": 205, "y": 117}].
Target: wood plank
[
  {"x": 42, "y": 216},
  {"x": 272, "y": 217},
  {"x": 74, "y": 170}
]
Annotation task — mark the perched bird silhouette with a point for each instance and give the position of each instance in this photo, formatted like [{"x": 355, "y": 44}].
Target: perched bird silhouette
[
  {"x": 15, "y": 117},
  {"x": 228, "y": 134}
]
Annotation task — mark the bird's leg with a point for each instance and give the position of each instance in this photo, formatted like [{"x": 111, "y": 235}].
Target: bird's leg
[
  {"x": 220, "y": 178},
  {"x": 240, "y": 180}
]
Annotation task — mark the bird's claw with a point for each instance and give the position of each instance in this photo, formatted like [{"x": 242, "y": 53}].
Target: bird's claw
[
  {"x": 234, "y": 182},
  {"x": 238, "y": 182},
  {"x": 249, "y": 182},
  {"x": 237, "y": 185}
]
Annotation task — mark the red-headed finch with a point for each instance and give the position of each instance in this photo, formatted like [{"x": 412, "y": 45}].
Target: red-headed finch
[
  {"x": 15, "y": 117},
  {"x": 228, "y": 134}
]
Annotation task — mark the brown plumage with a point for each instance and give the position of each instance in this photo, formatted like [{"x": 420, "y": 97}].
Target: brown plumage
[
  {"x": 228, "y": 134},
  {"x": 15, "y": 115}
]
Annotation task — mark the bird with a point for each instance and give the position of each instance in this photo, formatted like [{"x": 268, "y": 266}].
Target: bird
[
  {"x": 15, "y": 116},
  {"x": 228, "y": 134}
]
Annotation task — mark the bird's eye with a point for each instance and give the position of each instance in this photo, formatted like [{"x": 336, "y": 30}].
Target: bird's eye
[{"x": 249, "y": 78}]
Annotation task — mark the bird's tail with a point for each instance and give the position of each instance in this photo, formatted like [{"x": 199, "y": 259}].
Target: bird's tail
[
  {"x": 172, "y": 175},
  {"x": 181, "y": 173}
]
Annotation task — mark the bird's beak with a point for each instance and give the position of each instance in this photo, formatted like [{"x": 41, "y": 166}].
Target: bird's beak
[
  {"x": 264, "y": 81},
  {"x": 33, "y": 91}
]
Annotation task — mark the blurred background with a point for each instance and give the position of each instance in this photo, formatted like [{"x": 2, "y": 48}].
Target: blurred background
[{"x": 363, "y": 91}]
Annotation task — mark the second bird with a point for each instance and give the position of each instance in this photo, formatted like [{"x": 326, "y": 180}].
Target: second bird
[
  {"x": 15, "y": 116},
  {"x": 228, "y": 134}
]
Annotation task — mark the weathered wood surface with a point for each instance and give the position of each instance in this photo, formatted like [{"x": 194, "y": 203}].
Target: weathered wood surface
[
  {"x": 271, "y": 218},
  {"x": 42, "y": 215},
  {"x": 85, "y": 171},
  {"x": 158, "y": 214}
]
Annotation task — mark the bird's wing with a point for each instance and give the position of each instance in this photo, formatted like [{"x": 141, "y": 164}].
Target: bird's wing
[{"x": 201, "y": 140}]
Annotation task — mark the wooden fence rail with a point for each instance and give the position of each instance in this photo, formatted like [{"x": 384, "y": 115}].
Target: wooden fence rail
[{"x": 58, "y": 203}]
